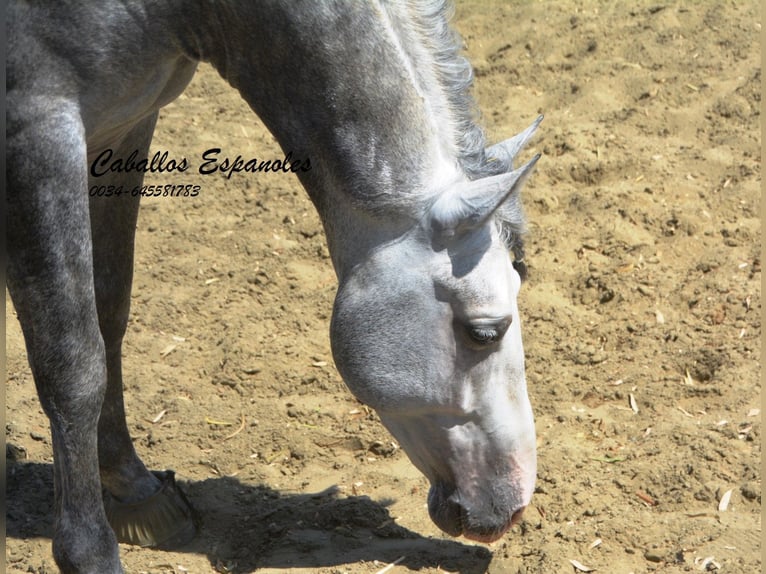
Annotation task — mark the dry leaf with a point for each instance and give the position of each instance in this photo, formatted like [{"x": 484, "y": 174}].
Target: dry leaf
[
  {"x": 724, "y": 503},
  {"x": 705, "y": 563},
  {"x": 167, "y": 350},
  {"x": 391, "y": 566},
  {"x": 627, "y": 268},
  {"x": 581, "y": 567},
  {"x": 744, "y": 430}
]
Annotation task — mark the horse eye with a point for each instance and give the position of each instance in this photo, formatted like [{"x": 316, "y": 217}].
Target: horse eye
[
  {"x": 489, "y": 333},
  {"x": 484, "y": 335}
]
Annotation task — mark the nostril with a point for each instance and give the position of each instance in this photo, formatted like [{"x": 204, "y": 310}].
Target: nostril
[
  {"x": 446, "y": 510},
  {"x": 516, "y": 518},
  {"x": 456, "y": 510}
]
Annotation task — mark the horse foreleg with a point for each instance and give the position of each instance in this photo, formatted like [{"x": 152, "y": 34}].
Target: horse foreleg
[
  {"x": 144, "y": 508},
  {"x": 50, "y": 279}
]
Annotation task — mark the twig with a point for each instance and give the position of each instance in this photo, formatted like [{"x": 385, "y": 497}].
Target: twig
[
  {"x": 239, "y": 430},
  {"x": 646, "y": 498}
]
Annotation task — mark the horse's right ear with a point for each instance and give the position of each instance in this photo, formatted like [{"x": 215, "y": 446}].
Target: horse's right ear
[{"x": 467, "y": 206}]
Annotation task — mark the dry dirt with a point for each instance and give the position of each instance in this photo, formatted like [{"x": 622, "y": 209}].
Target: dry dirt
[{"x": 641, "y": 317}]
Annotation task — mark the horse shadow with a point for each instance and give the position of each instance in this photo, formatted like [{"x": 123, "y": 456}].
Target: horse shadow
[{"x": 245, "y": 527}]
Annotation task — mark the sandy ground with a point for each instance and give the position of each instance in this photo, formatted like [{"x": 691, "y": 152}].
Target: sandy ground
[{"x": 641, "y": 319}]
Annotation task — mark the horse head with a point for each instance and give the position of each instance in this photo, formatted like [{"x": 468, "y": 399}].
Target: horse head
[{"x": 426, "y": 330}]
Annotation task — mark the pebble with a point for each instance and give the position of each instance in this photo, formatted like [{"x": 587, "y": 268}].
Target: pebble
[
  {"x": 750, "y": 491},
  {"x": 293, "y": 412},
  {"x": 644, "y": 290},
  {"x": 591, "y": 244},
  {"x": 652, "y": 556}
]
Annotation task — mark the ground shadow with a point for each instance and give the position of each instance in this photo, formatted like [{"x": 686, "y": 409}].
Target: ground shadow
[{"x": 246, "y": 527}]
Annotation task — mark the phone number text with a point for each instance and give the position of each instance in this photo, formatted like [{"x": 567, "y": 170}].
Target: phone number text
[{"x": 167, "y": 190}]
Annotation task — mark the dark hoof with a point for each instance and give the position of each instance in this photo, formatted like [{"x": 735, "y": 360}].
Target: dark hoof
[{"x": 164, "y": 520}]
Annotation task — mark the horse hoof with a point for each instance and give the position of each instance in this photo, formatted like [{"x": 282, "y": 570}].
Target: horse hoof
[{"x": 164, "y": 520}]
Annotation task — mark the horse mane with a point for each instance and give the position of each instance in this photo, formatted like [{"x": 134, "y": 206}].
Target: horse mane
[{"x": 455, "y": 74}]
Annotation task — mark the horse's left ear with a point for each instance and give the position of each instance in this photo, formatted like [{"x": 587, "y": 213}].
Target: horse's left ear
[
  {"x": 469, "y": 205},
  {"x": 507, "y": 150}
]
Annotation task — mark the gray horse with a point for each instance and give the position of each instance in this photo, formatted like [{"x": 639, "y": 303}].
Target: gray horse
[{"x": 423, "y": 223}]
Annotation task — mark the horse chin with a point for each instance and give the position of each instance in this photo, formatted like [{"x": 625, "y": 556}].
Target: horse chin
[
  {"x": 486, "y": 538},
  {"x": 496, "y": 534}
]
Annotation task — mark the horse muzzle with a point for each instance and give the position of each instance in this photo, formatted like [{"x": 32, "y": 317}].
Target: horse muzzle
[{"x": 481, "y": 520}]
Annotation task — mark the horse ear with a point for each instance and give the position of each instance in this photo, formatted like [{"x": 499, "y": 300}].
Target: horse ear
[
  {"x": 507, "y": 150},
  {"x": 469, "y": 205}
]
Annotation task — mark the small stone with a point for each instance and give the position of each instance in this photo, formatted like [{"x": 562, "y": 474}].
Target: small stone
[
  {"x": 13, "y": 452},
  {"x": 591, "y": 244},
  {"x": 644, "y": 290},
  {"x": 293, "y": 412},
  {"x": 750, "y": 491}
]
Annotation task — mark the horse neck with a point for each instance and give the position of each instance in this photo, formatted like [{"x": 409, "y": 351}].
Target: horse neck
[{"x": 351, "y": 88}]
